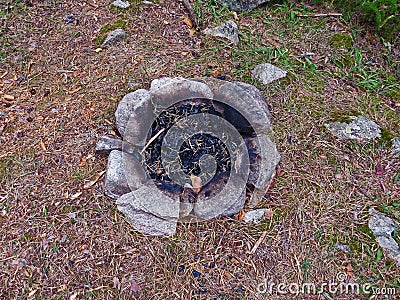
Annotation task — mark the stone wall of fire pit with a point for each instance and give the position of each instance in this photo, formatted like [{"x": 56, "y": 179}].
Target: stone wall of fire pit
[{"x": 188, "y": 150}]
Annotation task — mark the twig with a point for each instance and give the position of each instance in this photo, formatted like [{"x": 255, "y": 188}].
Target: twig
[
  {"x": 152, "y": 139},
  {"x": 96, "y": 178},
  {"x": 25, "y": 174},
  {"x": 190, "y": 10},
  {"x": 258, "y": 243},
  {"x": 4, "y": 74},
  {"x": 64, "y": 71},
  {"x": 320, "y": 15}
]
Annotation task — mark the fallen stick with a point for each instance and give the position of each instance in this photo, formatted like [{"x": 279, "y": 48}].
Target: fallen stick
[
  {"x": 320, "y": 15},
  {"x": 152, "y": 139},
  {"x": 258, "y": 243}
]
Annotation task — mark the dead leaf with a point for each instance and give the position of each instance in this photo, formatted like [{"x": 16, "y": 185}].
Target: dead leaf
[
  {"x": 217, "y": 73},
  {"x": 96, "y": 178},
  {"x": 239, "y": 216},
  {"x": 269, "y": 214},
  {"x": 235, "y": 16},
  {"x": 83, "y": 162},
  {"x": 349, "y": 270},
  {"x": 62, "y": 288},
  {"x": 8, "y": 97},
  {"x": 187, "y": 21},
  {"x": 43, "y": 146},
  {"x": 197, "y": 184},
  {"x": 226, "y": 274},
  {"x": 75, "y": 196},
  {"x": 235, "y": 261},
  {"x": 192, "y": 31},
  {"x": 98, "y": 50}
]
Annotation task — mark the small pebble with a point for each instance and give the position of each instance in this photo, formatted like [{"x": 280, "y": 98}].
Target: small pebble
[
  {"x": 344, "y": 248},
  {"x": 60, "y": 160},
  {"x": 201, "y": 291},
  {"x": 69, "y": 19},
  {"x": 181, "y": 268},
  {"x": 196, "y": 274}
]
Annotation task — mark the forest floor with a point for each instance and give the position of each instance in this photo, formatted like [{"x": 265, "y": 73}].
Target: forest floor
[{"x": 58, "y": 97}]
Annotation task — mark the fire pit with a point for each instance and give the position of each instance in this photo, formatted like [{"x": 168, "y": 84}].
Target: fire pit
[{"x": 189, "y": 150}]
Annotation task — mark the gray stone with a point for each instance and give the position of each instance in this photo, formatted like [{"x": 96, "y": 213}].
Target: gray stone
[
  {"x": 344, "y": 248},
  {"x": 108, "y": 143},
  {"x": 267, "y": 158},
  {"x": 115, "y": 183},
  {"x": 396, "y": 146},
  {"x": 124, "y": 173},
  {"x": 213, "y": 83},
  {"x": 383, "y": 229},
  {"x": 255, "y": 215},
  {"x": 121, "y": 4},
  {"x": 229, "y": 30},
  {"x": 381, "y": 225},
  {"x": 134, "y": 112},
  {"x": 168, "y": 91},
  {"x": 248, "y": 101},
  {"x": 149, "y": 198},
  {"x": 150, "y": 211},
  {"x": 360, "y": 129},
  {"x": 241, "y": 5},
  {"x": 147, "y": 223},
  {"x": 135, "y": 174},
  {"x": 267, "y": 73},
  {"x": 114, "y": 37},
  {"x": 218, "y": 199}
]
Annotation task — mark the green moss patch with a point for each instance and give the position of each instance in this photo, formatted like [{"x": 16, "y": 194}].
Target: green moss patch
[
  {"x": 110, "y": 27},
  {"x": 343, "y": 116},
  {"x": 386, "y": 137},
  {"x": 341, "y": 40}
]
